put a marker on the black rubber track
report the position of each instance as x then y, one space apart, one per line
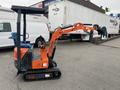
54 73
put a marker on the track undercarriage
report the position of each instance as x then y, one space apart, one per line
42 74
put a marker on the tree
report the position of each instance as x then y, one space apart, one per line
107 9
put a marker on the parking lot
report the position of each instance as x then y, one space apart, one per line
84 66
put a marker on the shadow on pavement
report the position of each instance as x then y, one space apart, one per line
3 50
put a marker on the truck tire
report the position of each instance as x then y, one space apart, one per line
104 32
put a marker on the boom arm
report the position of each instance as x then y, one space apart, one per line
60 31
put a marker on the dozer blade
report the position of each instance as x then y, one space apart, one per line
47 74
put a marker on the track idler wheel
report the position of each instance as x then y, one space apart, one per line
57 74
52 64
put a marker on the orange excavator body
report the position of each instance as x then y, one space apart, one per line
42 66
43 61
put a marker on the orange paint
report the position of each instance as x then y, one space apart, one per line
22 50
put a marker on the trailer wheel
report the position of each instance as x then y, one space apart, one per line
104 32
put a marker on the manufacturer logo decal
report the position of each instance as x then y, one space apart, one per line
114 22
56 9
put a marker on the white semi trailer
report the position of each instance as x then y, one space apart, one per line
66 13
36 26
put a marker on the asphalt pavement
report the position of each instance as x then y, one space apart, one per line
84 66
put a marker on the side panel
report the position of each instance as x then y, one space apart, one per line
78 13
71 13
89 16
35 29
56 15
7 17
4 36
113 25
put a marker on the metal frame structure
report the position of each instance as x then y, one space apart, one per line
23 10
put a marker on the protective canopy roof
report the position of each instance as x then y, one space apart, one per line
28 10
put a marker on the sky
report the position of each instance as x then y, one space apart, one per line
112 4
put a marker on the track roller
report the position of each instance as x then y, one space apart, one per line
47 74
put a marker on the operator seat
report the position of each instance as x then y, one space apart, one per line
25 44
28 57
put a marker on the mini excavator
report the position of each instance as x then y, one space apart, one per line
41 67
